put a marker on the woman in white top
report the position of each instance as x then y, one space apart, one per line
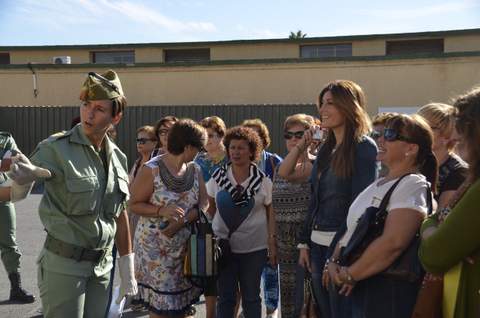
405 148
240 199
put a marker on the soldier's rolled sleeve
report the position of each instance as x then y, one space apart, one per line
44 156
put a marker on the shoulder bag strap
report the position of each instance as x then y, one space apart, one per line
382 209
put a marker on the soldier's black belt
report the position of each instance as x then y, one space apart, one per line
72 251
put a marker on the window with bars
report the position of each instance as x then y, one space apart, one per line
113 57
326 50
187 55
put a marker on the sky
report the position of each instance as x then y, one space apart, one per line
65 22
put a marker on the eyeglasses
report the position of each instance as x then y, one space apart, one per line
163 132
143 141
375 134
390 134
211 136
290 134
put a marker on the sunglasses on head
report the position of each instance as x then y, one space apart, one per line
390 134
290 134
143 141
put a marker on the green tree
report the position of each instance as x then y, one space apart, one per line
297 35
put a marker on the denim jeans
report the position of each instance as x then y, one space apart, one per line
379 296
270 287
330 303
244 270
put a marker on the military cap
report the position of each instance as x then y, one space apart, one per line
104 86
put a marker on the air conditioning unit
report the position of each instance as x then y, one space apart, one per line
62 60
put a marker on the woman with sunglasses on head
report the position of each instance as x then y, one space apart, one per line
406 150
162 127
240 200
290 200
453 246
345 165
168 193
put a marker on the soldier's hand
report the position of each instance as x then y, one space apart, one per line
22 171
128 283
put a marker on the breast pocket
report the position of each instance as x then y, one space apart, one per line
82 195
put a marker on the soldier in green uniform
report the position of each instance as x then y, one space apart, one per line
83 207
8 245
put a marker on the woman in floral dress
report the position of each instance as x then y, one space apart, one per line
167 193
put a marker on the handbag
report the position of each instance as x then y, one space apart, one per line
201 258
370 226
309 308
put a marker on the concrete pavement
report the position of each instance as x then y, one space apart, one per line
30 238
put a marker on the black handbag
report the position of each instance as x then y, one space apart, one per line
370 226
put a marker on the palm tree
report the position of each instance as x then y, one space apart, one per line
297 35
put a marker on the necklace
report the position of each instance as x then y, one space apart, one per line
176 184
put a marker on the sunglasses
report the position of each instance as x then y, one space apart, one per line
390 134
290 134
143 141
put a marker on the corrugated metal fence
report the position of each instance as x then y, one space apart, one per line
29 125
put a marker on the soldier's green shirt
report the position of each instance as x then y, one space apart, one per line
6 143
87 191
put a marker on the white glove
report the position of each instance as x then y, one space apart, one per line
22 171
128 284
19 192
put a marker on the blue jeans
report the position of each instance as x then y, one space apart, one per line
379 296
270 287
330 303
244 270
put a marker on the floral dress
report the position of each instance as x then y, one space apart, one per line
159 259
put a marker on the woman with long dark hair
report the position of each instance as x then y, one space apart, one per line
345 165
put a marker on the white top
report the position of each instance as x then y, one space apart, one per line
410 193
252 234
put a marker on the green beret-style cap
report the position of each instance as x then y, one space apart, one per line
98 87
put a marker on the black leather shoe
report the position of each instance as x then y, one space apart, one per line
17 293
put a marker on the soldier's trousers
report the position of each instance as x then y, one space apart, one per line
72 296
8 245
